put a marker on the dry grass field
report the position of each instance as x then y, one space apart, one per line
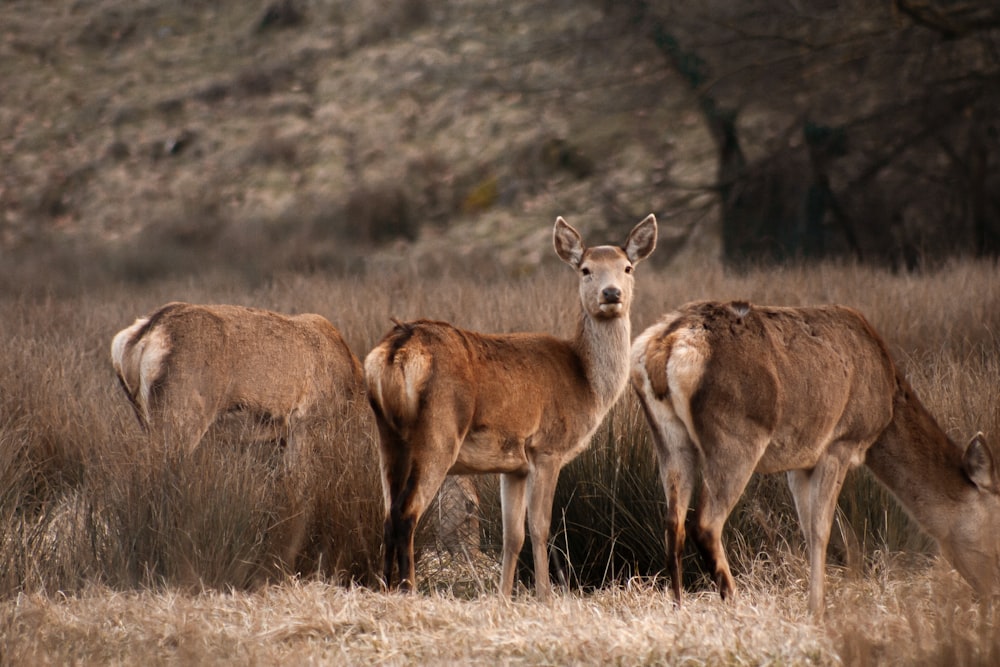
113 552
894 618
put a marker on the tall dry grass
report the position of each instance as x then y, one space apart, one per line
87 498
895 617
86 504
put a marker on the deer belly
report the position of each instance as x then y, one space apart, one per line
487 451
801 452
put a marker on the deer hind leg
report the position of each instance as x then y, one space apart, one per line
677 463
724 477
181 416
815 492
301 490
412 476
394 457
513 492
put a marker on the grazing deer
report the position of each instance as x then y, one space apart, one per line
730 389
184 366
451 401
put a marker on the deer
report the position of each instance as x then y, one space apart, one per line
729 389
450 401
184 366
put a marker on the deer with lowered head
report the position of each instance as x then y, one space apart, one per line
452 401
185 366
729 389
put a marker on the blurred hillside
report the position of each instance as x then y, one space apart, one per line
141 139
144 139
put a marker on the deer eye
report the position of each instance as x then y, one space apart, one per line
628 269
585 271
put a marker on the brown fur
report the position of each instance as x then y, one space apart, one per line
185 365
451 401
730 389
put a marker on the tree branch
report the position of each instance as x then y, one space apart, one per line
953 21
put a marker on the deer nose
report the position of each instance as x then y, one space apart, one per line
611 295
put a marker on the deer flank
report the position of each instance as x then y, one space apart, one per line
451 401
729 389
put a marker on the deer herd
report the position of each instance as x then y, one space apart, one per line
727 388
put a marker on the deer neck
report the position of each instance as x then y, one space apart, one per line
920 464
603 347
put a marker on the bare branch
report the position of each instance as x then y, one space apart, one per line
954 20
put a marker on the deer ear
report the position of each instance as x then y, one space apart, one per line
567 242
641 240
978 463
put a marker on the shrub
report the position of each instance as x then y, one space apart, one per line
378 213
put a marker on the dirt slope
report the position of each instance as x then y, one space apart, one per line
202 132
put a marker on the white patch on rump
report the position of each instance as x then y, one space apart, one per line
398 384
684 372
153 349
415 367
374 363
119 348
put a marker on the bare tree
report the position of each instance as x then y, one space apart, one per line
843 127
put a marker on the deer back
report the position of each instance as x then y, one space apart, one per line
234 357
804 377
278 361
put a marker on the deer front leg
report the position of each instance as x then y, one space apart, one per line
512 504
541 491
815 492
